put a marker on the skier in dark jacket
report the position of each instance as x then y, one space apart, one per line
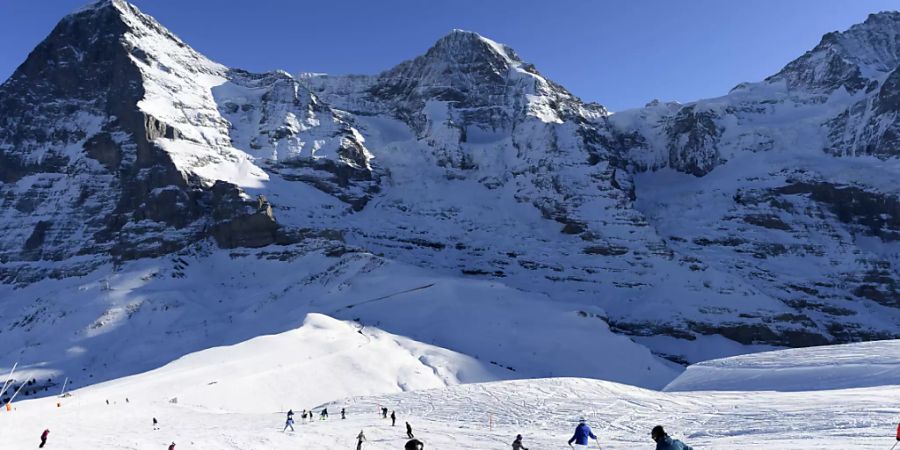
155 424
343 413
582 433
290 414
414 444
393 418
517 444
172 447
409 431
289 423
44 436
664 442
384 413
360 438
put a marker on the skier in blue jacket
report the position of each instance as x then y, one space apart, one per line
664 442
582 433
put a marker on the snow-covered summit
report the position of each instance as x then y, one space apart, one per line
849 59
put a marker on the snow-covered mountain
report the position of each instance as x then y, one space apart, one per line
153 199
794 183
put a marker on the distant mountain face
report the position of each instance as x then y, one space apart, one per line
766 217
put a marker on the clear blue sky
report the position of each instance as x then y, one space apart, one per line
621 53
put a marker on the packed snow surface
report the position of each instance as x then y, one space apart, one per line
803 369
235 398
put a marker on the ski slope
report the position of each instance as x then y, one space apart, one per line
234 397
864 364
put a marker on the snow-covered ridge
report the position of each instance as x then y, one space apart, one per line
808 369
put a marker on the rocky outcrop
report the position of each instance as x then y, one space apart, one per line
693 138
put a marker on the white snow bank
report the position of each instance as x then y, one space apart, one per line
803 369
472 416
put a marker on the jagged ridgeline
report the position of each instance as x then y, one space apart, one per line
768 216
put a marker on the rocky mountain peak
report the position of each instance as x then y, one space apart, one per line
471 47
849 59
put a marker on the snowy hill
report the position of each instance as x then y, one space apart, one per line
807 369
150 312
155 203
471 416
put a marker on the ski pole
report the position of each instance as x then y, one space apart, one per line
9 379
895 444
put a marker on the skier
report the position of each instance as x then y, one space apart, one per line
517 444
393 418
155 424
324 414
582 433
44 438
288 423
664 442
384 413
290 414
343 413
360 438
414 444
172 447
409 431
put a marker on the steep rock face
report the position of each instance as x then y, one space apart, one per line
114 131
848 60
785 176
292 133
78 154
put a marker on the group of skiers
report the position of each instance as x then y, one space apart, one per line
580 439
583 434
323 415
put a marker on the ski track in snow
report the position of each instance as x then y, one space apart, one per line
544 411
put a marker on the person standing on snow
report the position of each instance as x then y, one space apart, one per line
384 413
155 424
343 413
517 444
360 438
44 436
172 447
582 433
414 444
664 442
393 418
290 414
324 414
409 431
288 423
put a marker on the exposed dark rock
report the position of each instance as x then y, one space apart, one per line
879 214
693 141
767 221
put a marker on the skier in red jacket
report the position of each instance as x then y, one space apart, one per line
172 447
44 438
